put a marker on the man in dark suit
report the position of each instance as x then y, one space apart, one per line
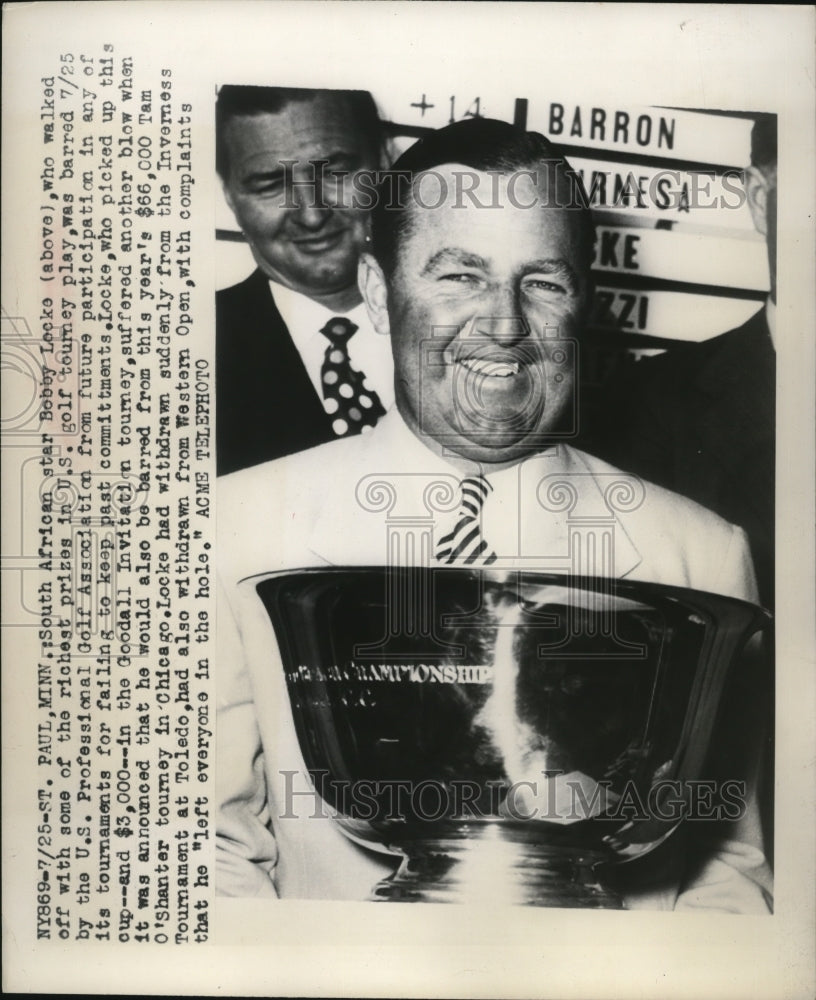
295 349
700 419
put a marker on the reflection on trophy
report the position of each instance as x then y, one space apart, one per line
542 729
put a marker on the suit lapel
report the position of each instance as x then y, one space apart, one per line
273 407
577 512
371 487
293 391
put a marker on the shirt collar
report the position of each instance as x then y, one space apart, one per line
369 352
304 317
408 482
393 437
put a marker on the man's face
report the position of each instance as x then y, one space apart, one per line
479 308
312 245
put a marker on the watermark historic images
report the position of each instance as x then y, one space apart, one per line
320 184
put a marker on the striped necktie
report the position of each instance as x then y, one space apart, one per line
347 397
465 543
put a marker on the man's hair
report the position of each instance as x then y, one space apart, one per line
234 101
481 144
763 143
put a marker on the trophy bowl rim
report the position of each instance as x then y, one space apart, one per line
635 589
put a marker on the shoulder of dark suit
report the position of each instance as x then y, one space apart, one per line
256 285
685 360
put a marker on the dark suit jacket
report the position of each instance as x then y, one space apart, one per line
700 420
267 405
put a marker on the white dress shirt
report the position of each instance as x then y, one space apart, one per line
369 352
280 516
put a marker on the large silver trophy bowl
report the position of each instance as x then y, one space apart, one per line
511 735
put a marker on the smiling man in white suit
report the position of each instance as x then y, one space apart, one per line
479 273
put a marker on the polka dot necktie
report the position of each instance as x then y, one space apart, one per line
465 543
347 397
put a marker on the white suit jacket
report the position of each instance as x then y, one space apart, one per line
336 505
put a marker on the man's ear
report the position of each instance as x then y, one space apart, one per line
756 189
373 288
